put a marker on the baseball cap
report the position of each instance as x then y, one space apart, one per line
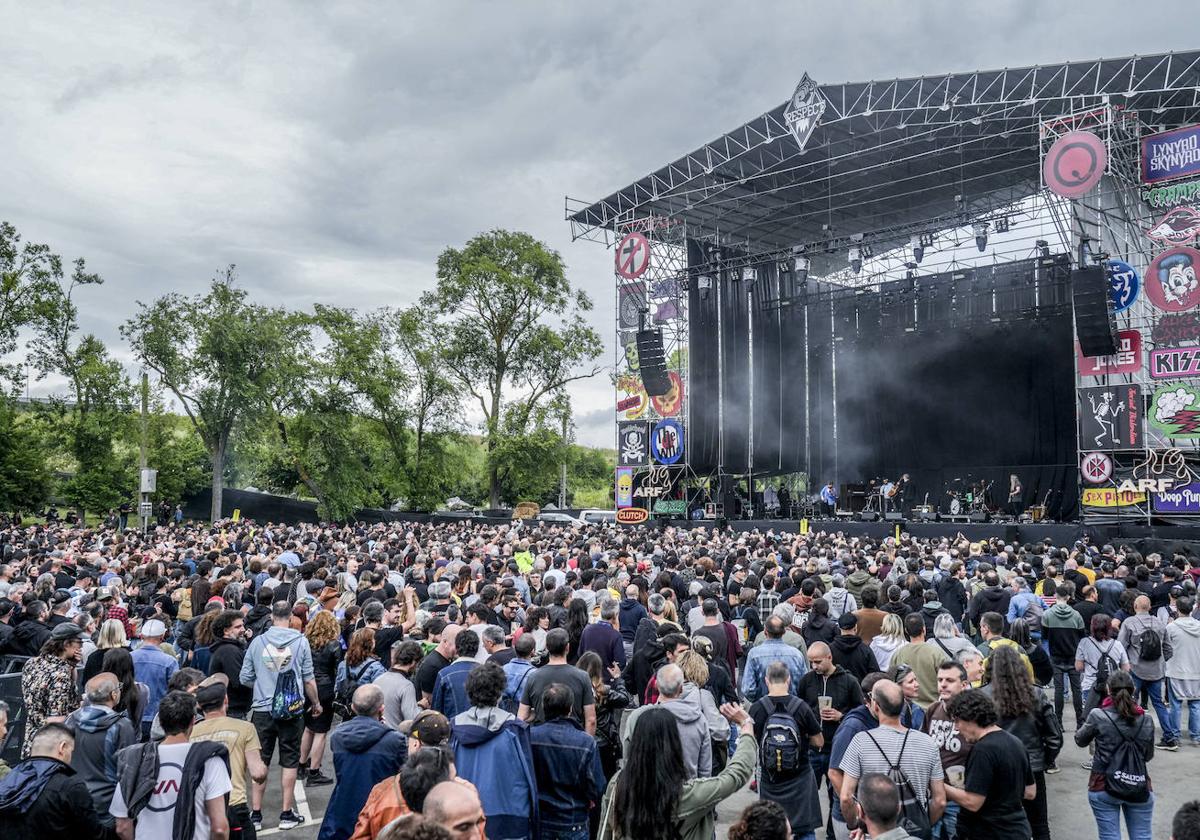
153 629
68 631
847 621
429 727
60 596
212 690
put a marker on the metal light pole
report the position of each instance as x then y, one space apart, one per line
149 477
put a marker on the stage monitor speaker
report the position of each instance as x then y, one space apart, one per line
1095 320
927 515
894 516
867 516
978 516
652 364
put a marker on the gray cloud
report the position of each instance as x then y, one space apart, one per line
333 151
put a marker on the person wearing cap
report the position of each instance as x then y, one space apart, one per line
153 667
60 605
365 752
849 651
100 733
48 686
240 738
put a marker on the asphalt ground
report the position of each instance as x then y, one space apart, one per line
1174 776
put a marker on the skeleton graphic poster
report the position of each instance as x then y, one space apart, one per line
632 444
1110 417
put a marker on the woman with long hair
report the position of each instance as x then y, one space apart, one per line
201 653
324 638
537 624
1039 660
578 619
1028 714
1098 653
611 700
111 635
1118 721
134 695
912 716
671 613
890 639
361 664
652 797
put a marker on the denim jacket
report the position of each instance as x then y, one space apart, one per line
567 765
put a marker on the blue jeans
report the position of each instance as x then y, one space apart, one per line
1155 689
575 832
1177 715
1107 811
946 828
812 835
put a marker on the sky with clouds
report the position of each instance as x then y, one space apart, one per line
333 150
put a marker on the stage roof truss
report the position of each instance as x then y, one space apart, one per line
889 156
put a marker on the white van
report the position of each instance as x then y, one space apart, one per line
598 517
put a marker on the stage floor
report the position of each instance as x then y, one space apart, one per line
1147 538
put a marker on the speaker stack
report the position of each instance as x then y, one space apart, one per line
1095 320
652 364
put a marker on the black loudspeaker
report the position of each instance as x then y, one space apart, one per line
867 516
927 515
1011 534
979 516
894 516
1095 321
651 364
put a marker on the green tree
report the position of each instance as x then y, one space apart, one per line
24 475
218 354
512 333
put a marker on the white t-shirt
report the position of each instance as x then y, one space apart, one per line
155 820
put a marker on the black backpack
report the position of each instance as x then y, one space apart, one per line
1150 646
341 702
914 817
782 752
1125 777
1103 672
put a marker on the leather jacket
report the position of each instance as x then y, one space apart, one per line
1040 732
609 709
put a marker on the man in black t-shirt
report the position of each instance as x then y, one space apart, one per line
433 663
998 773
583 706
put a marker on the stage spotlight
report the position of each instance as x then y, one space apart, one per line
802 265
1043 248
856 259
748 277
917 248
704 283
981 236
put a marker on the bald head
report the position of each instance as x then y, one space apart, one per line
820 658
446 646
1141 605
456 808
103 689
367 701
889 699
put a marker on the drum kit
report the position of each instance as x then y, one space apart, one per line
968 500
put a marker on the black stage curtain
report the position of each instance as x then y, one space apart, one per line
793 368
767 372
702 436
735 373
981 403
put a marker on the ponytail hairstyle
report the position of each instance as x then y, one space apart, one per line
1120 689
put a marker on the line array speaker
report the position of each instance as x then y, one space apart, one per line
651 363
1095 320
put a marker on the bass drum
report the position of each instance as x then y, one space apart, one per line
956 506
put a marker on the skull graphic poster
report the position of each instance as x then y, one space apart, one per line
1110 417
633 444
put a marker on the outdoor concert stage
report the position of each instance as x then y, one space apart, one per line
892 277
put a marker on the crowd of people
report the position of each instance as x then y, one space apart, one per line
476 680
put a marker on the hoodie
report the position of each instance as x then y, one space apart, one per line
856 583
694 733
225 657
853 655
258 620
28 638
99 734
990 599
841 687
365 752
819 629
492 751
276 650
1063 629
1183 667
929 612
43 799
631 614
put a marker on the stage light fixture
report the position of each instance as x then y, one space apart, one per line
704 283
981 235
802 266
856 259
918 249
1002 224
1043 248
749 275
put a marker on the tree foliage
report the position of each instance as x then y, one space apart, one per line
512 333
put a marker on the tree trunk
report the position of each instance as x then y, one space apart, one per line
493 433
218 478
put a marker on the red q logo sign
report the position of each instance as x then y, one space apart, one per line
1096 468
1074 164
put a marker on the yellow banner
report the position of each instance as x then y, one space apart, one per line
803 527
1111 497
237 514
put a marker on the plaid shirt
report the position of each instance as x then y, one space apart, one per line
768 599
